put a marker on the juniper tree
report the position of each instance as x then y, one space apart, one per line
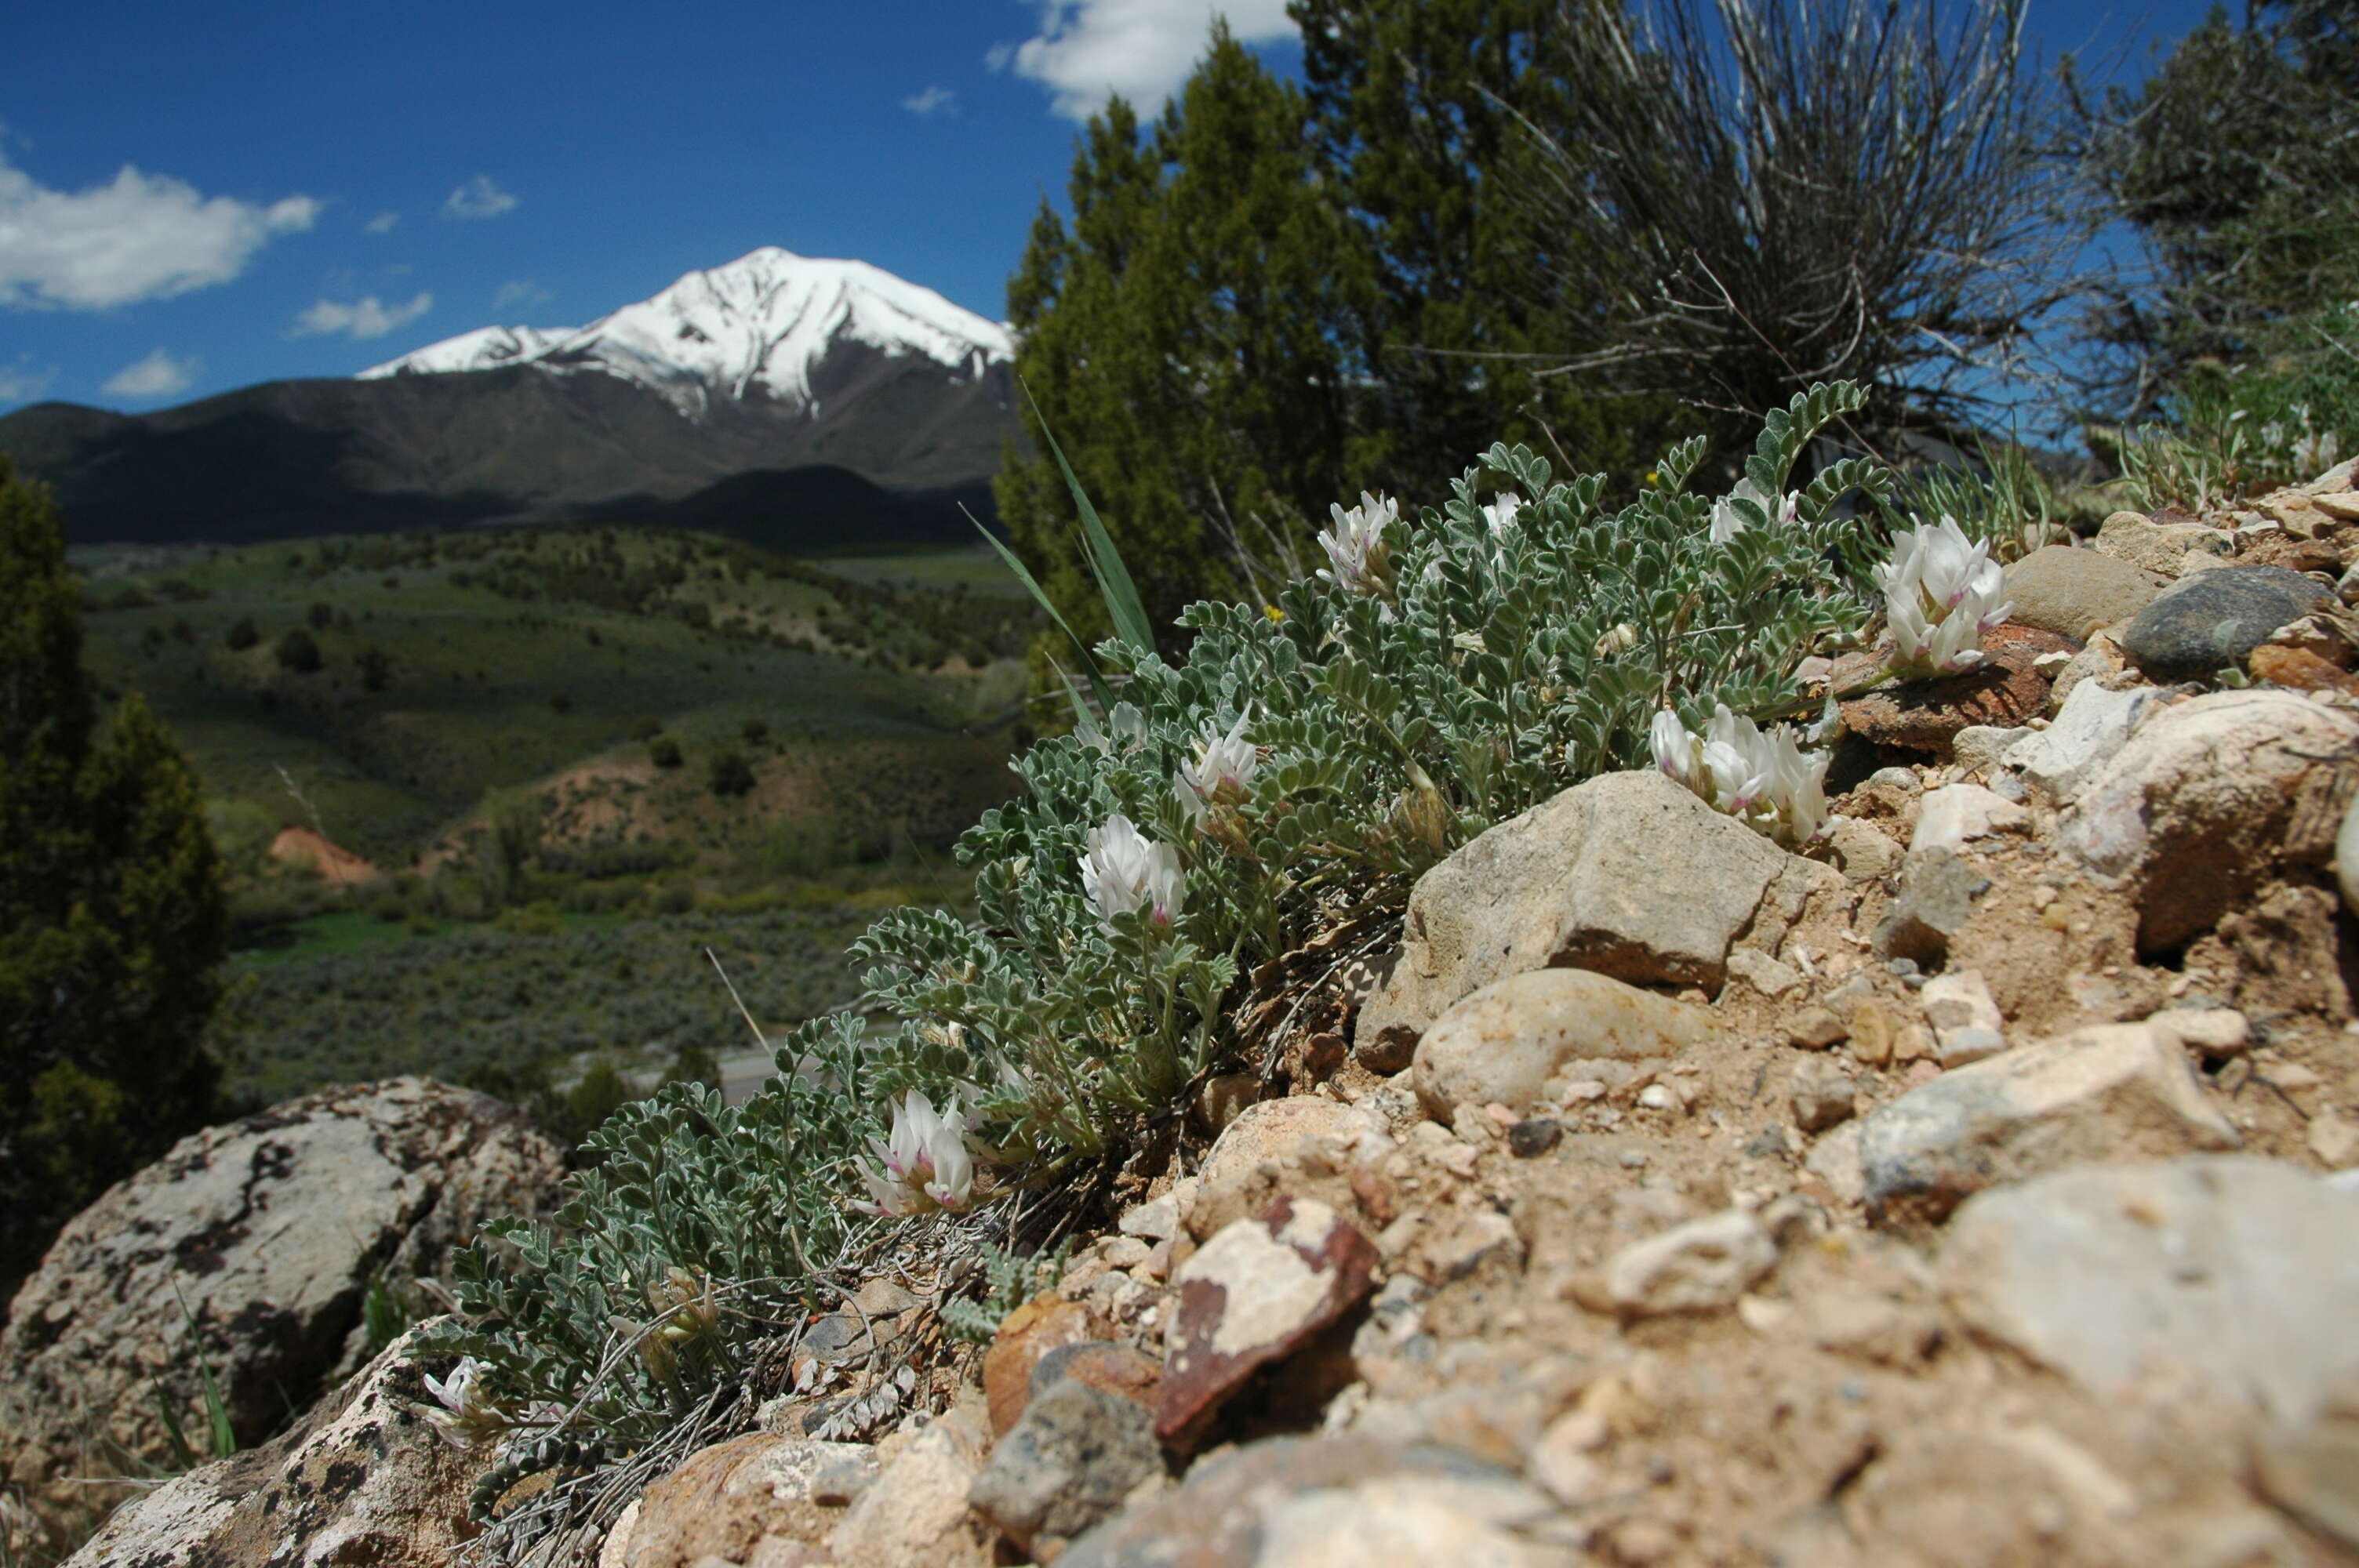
111 913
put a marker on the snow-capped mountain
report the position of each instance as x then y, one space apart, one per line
760 328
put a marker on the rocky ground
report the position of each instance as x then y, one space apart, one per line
1980 1188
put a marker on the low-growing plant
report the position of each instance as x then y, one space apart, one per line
1294 773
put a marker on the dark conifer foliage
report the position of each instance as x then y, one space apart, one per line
112 916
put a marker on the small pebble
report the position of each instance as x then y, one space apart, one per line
1530 1139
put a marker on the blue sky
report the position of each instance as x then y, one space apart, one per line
195 197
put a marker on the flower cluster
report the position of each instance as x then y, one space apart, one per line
1765 781
1727 522
1941 594
1359 560
926 1166
1124 870
1221 775
468 1415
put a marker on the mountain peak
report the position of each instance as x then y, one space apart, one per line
756 328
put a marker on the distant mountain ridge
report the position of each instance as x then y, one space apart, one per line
798 402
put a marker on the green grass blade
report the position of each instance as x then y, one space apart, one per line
184 1456
1089 663
223 1437
1123 604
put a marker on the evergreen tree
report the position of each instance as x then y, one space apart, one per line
111 913
1187 340
1417 108
2238 160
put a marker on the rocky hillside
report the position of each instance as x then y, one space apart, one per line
1979 1188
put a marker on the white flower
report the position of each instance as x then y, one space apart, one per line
1727 522
1125 727
1124 870
1500 515
468 1414
1222 774
1941 594
1357 556
926 1166
1768 782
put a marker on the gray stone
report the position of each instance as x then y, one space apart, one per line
1822 1096
2113 1092
2212 621
2076 593
1067 1463
1862 851
1937 895
364 1479
1505 1042
915 1510
2192 813
2088 731
269 1230
2241 1271
1627 875
1322 1502
1978 747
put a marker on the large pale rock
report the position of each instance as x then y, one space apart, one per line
1304 1141
725 1500
916 1509
2241 1271
2076 593
2193 811
2088 731
364 1479
2159 548
267 1231
2114 1092
1626 875
1331 1502
1506 1042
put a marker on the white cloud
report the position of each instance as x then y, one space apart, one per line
932 101
20 383
521 291
157 375
382 223
363 320
145 236
479 197
1087 50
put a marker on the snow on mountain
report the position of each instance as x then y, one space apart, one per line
757 327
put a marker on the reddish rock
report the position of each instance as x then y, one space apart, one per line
1047 1322
1115 1369
2299 669
1250 1296
1925 715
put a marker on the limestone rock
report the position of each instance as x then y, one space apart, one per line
2005 690
1963 1015
1865 852
1503 1043
2243 1272
2312 1470
2159 548
1823 1095
1326 1502
1068 1463
364 1479
1626 875
2207 622
1700 1266
1249 1297
1978 747
725 1500
2076 593
2193 811
1955 813
1937 895
269 1230
1271 1140
2112 1092
916 1511
2088 731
